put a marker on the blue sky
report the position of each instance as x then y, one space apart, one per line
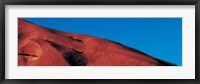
159 37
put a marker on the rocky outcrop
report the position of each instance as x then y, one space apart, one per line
40 46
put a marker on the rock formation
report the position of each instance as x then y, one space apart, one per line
40 46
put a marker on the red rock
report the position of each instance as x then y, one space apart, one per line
40 46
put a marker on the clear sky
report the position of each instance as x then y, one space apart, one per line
158 37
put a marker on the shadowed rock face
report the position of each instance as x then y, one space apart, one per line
39 46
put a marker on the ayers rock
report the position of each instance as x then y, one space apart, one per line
40 46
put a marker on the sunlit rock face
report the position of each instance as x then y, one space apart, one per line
40 46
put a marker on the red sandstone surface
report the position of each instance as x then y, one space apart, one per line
40 46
